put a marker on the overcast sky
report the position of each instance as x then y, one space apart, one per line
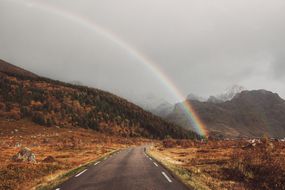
203 46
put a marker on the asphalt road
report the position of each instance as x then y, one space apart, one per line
129 169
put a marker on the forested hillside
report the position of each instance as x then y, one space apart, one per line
54 103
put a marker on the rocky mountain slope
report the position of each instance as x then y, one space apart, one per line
54 103
229 94
249 114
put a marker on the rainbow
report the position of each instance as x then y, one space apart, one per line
192 116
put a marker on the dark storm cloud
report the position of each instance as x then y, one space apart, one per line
204 46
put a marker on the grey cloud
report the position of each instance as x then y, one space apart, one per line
204 46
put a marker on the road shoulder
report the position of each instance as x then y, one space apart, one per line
179 174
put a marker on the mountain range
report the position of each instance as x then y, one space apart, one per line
235 113
163 108
251 113
25 95
228 95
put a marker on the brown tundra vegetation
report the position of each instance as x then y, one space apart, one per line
225 164
56 150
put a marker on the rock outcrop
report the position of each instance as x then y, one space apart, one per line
25 155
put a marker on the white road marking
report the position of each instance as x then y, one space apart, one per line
96 163
168 179
81 173
150 158
57 189
155 164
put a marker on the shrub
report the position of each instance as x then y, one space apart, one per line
169 143
185 143
39 118
260 166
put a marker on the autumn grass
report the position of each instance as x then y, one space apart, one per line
190 178
71 148
224 164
